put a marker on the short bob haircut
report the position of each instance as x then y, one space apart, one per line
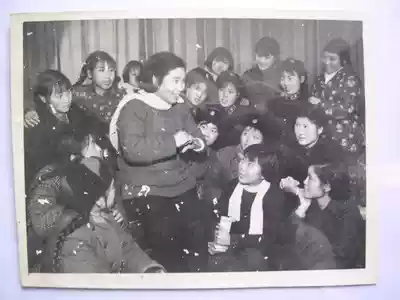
341 48
337 176
268 158
267 46
219 54
315 114
49 81
133 64
195 76
159 65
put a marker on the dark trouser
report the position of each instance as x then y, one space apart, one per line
174 230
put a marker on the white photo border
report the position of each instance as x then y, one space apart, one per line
202 280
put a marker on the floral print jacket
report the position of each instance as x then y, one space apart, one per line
341 98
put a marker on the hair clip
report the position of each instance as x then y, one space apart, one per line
254 121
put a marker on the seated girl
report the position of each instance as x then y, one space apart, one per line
91 240
313 144
262 81
59 116
229 95
295 90
196 90
255 130
219 60
43 207
254 207
97 91
324 204
132 73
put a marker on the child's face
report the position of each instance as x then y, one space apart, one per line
172 85
249 171
197 93
313 187
103 75
133 76
307 133
228 95
219 66
60 102
265 62
210 132
331 62
290 82
250 136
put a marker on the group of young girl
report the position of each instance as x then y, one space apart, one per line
165 170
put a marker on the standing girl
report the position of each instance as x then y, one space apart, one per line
153 131
338 91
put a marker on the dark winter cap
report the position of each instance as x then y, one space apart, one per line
269 127
229 77
209 114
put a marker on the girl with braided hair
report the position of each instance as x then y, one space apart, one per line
89 239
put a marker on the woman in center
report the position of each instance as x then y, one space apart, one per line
255 206
154 130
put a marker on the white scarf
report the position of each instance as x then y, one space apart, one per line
150 99
256 213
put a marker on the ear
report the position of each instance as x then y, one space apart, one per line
320 130
327 188
154 81
42 98
302 79
89 74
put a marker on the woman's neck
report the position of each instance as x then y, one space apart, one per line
99 91
309 146
292 97
253 187
324 201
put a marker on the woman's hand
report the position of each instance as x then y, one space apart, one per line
245 102
31 119
117 215
289 184
182 138
314 100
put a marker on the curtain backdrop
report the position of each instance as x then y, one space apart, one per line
65 45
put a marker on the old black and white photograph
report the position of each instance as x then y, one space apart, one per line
161 146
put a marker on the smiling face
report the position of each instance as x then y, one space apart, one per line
172 85
210 132
219 65
291 82
60 101
228 95
313 187
307 133
250 136
249 171
331 62
196 93
133 76
103 75
265 62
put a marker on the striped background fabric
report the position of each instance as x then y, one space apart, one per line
64 45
